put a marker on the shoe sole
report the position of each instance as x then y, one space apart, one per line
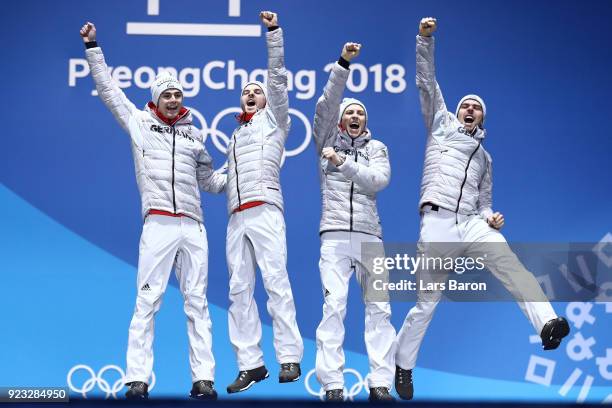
202 397
143 398
289 381
558 336
250 384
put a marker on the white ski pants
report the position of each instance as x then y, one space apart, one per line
256 237
341 255
165 241
445 226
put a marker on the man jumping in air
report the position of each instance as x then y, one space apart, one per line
455 206
256 228
353 168
171 163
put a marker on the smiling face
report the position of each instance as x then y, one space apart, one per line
470 114
252 98
170 103
354 120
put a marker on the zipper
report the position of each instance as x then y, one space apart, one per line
352 187
173 152
236 170
464 180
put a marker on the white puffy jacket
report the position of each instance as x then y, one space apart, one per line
457 170
256 147
349 190
170 161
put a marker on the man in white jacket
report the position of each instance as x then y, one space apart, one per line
353 168
171 165
256 228
456 215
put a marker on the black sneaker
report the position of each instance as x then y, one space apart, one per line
138 391
247 378
334 395
553 332
289 372
380 394
403 383
203 390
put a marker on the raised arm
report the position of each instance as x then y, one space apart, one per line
372 178
108 90
278 98
328 105
209 179
432 102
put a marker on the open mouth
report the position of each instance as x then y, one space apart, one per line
354 126
250 103
469 119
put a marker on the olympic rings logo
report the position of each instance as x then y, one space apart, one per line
349 393
97 379
221 140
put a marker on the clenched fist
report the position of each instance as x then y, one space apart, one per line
269 19
496 221
427 26
350 50
88 32
330 154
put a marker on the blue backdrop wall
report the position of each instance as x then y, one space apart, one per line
71 210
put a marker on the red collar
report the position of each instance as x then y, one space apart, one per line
245 117
164 119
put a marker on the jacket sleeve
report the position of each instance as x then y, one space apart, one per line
328 106
209 179
433 107
372 178
108 90
278 98
485 191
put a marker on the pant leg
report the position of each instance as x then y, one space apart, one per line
192 274
158 246
243 316
506 267
436 227
336 270
379 335
417 321
266 232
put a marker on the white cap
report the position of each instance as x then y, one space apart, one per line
163 82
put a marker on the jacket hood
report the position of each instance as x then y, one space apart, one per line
346 141
480 134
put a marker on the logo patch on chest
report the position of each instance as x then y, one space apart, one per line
351 152
170 130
